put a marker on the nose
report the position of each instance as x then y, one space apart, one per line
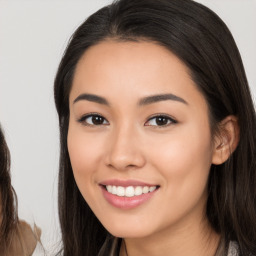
125 150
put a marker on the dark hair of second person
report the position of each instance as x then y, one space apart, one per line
16 236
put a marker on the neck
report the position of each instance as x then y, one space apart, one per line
190 240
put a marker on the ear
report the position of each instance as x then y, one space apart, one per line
226 141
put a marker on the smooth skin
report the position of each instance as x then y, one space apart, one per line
119 136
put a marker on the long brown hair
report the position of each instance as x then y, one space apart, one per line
16 236
202 41
9 216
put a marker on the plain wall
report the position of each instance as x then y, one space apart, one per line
33 36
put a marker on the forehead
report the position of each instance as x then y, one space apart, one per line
137 57
132 68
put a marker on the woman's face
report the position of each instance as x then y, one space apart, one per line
139 139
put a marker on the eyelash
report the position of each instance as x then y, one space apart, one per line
169 119
82 120
162 117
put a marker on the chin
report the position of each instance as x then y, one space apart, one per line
128 231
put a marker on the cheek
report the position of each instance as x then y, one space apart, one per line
84 152
184 160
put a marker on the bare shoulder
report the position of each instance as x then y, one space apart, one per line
24 240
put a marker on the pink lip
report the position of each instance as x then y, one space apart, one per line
125 183
125 203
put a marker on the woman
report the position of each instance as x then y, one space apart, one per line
16 237
157 134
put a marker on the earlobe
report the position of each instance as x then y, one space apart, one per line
226 140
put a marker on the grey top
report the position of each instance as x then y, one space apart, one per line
233 249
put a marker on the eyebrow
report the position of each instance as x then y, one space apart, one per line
142 102
91 97
160 97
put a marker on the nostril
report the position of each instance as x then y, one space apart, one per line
125 161
131 166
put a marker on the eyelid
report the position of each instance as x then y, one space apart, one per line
85 116
172 119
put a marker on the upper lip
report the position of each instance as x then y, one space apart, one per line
125 183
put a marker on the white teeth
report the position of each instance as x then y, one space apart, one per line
151 189
129 191
145 190
109 189
120 191
138 191
114 190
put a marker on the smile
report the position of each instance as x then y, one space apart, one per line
127 194
130 191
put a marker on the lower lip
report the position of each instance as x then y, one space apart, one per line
126 203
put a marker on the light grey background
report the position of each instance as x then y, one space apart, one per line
33 36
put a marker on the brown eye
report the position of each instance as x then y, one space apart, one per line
93 119
160 121
97 120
